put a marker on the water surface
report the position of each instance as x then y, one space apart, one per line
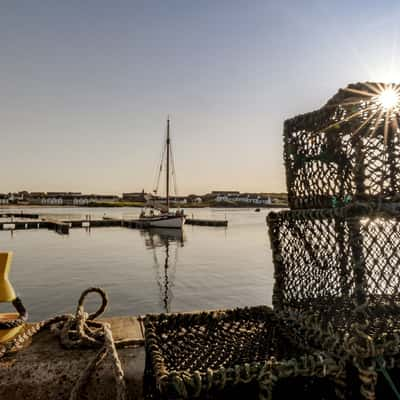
143 271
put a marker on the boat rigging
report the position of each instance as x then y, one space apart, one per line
165 218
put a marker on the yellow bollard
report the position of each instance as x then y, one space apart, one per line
7 295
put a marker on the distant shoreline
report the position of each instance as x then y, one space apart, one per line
141 205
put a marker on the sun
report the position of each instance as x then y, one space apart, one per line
388 99
375 105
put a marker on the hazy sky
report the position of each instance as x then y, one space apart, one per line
85 86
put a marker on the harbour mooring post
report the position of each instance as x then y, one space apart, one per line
7 295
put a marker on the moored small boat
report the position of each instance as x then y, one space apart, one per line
169 220
164 218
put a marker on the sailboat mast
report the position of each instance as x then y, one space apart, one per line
168 151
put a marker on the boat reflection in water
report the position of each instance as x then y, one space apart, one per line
164 244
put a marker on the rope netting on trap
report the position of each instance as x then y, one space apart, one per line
347 150
347 256
337 283
203 354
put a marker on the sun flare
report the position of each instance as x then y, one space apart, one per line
375 105
388 99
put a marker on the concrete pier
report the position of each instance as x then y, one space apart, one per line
63 226
95 223
17 225
57 226
206 222
44 370
19 215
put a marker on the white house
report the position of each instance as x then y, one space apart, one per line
177 200
227 197
52 201
244 198
80 201
265 200
3 199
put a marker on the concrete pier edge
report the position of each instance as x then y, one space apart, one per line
45 370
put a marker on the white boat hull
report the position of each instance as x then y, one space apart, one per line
175 222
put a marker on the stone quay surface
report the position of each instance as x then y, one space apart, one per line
44 370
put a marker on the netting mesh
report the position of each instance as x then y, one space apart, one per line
189 355
225 340
348 256
347 150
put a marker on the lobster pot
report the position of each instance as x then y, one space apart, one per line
240 353
349 150
337 285
343 258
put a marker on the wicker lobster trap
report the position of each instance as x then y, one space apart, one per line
337 251
337 283
240 353
348 255
347 150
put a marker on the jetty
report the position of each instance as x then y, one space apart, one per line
57 226
51 224
21 215
21 221
207 222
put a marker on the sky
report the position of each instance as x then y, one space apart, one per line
86 86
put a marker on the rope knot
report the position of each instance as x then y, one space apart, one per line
80 330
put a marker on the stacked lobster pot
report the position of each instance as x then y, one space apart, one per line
336 251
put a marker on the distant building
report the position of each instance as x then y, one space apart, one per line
172 199
244 198
226 196
194 198
35 194
253 198
217 193
60 198
82 200
35 197
178 199
65 198
135 196
19 197
3 199
63 194
266 200
52 201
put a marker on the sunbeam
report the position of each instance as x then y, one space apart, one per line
377 106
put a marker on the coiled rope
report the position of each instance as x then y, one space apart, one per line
81 331
22 316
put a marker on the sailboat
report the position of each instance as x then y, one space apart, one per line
160 215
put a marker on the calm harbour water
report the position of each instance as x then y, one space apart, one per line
207 267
